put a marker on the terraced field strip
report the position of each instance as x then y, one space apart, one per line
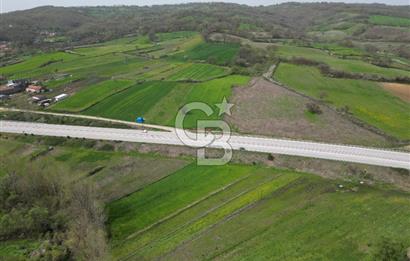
218 53
161 199
91 95
229 204
134 101
196 72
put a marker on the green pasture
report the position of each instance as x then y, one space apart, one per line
159 101
348 65
209 92
389 20
190 215
36 61
91 95
366 100
195 72
219 53
135 101
339 50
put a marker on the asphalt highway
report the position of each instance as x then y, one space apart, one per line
370 156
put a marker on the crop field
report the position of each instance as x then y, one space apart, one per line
209 92
159 101
135 101
189 215
92 95
35 62
195 72
220 53
340 50
364 99
389 20
348 65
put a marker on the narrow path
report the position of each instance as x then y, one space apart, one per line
129 123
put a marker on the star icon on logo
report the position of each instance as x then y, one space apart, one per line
224 107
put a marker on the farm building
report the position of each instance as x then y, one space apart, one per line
61 97
13 86
35 89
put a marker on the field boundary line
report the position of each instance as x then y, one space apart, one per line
176 213
129 123
238 210
209 211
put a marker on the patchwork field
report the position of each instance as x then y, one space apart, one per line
366 100
159 101
170 208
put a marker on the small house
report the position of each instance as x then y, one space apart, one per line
35 89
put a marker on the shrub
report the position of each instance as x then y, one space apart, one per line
389 250
313 108
107 147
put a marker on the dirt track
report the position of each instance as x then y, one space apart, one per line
398 89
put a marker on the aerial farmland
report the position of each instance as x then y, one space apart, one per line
90 169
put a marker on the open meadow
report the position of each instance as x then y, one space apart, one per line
366 100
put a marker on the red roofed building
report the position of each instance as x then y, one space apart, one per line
34 89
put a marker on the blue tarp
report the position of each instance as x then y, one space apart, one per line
140 120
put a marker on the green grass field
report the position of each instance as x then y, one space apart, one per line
135 101
348 65
220 53
92 95
366 100
277 213
196 72
159 101
389 20
29 63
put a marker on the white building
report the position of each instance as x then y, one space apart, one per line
60 97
